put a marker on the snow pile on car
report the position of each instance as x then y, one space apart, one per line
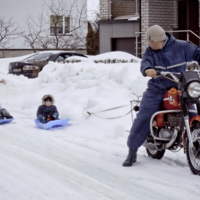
110 57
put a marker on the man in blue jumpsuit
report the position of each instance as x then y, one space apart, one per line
165 53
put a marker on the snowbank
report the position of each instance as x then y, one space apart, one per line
83 161
111 57
115 55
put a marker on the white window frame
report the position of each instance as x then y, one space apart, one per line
63 25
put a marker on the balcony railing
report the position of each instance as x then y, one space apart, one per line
138 34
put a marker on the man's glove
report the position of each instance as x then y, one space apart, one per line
151 73
55 115
192 66
40 117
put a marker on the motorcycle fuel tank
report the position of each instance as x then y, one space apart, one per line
171 99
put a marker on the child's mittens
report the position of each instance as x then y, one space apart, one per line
40 117
55 115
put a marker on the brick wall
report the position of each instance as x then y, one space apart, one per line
116 8
120 8
175 14
104 9
163 13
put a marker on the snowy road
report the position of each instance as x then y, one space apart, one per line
82 161
39 164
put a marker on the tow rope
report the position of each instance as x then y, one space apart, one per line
114 108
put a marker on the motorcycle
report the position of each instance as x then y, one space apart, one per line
170 128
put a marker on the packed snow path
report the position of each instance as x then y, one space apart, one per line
63 164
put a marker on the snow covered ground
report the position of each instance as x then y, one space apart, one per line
82 161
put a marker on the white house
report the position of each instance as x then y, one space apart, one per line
44 24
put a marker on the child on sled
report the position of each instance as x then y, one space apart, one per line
47 111
4 113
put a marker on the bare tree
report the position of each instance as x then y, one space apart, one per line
92 43
92 40
36 34
7 31
94 16
65 30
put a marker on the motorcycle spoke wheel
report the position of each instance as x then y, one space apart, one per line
193 162
155 153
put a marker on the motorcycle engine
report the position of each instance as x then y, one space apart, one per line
166 133
174 119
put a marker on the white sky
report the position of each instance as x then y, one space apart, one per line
92 6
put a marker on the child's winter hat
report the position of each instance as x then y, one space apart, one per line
156 33
48 97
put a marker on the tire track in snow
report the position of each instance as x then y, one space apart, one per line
71 170
99 176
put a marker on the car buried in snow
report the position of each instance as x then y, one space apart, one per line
32 65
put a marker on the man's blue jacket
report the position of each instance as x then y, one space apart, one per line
172 57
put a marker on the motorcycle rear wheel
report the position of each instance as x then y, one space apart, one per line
193 162
155 153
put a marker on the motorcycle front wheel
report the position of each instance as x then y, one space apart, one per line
155 153
193 161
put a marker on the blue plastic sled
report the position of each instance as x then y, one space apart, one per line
3 121
52 124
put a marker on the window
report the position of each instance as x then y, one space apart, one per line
59 25
60 58
38 56
67 25
66 56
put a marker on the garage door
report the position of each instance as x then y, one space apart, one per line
124 44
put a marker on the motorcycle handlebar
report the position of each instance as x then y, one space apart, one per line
158 73
164 74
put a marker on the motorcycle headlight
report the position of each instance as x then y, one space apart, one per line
194 89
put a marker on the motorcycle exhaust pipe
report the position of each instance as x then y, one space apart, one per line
150 146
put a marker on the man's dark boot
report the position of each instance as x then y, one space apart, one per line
131 158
